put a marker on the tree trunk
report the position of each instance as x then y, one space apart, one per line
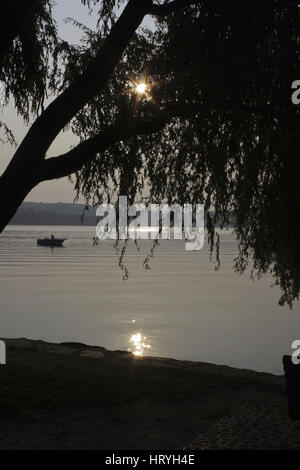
14 187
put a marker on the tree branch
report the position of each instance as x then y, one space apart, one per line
58 114
72 161
163 10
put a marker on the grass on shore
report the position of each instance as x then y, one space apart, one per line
34 379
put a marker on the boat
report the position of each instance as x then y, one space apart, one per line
50 241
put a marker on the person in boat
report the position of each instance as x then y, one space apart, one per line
52 237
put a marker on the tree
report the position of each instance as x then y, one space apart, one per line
216 124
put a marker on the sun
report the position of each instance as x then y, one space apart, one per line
141 88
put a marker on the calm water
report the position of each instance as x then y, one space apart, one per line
182 307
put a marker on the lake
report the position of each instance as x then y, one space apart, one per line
180 308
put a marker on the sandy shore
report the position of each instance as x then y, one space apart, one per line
73 396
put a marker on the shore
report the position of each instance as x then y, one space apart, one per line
73 396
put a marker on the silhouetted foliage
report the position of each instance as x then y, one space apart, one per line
217 125
26 66
226 68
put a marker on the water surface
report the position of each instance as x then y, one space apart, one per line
181 308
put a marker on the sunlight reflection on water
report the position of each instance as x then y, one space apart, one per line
138 345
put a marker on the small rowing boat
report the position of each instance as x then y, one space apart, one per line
50 241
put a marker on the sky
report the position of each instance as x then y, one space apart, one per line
57 190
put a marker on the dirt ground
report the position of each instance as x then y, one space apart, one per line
73 396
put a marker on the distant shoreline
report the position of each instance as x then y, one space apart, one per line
63 214
50 225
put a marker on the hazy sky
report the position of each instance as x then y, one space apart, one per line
56 190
